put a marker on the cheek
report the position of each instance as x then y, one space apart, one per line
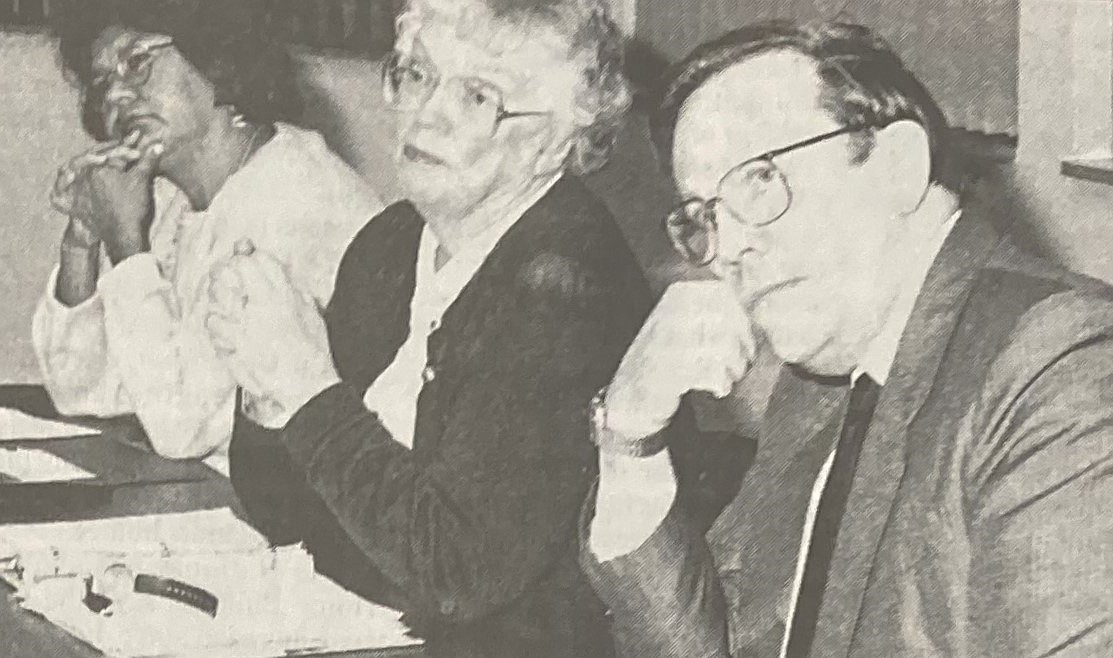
797 321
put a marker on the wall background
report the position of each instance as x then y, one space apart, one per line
38 129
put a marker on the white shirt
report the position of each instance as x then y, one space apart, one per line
393 395
139 344
616 532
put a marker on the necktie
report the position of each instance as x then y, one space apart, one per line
832 505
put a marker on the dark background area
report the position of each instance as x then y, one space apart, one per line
357 26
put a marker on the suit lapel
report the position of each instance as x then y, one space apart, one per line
756 537
881 464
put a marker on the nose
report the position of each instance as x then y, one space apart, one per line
436 112
117 98
119 92
736 239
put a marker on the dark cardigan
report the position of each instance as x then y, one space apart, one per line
472 533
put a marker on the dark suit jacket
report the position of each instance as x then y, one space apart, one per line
473 531
979 521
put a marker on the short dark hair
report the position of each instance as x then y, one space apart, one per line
228 41
864 84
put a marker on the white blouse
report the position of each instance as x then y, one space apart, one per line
393 395
139 344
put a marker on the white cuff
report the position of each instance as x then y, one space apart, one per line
52 306
635 494
131 281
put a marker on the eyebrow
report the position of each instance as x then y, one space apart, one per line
100 68
507 80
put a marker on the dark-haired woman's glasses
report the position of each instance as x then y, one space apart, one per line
409 83
133 66
755 192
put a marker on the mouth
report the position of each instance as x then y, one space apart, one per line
142 122
418 156
762 293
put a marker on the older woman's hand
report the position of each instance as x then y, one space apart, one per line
108 194
270 334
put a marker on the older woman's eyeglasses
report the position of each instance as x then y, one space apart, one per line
755 192
133 66
409 83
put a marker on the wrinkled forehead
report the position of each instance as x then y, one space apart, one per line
760 104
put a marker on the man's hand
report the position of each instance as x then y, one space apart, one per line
698 338
270 334
108 193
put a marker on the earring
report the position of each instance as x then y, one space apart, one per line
238 120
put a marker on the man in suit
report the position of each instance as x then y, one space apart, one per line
934 471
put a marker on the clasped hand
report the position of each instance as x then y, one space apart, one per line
697 338
270 334
108 194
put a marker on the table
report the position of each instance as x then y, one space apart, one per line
133 481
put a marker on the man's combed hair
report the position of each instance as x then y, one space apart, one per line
229 42
603 96
865 84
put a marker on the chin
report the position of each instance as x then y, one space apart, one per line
419 186
812 352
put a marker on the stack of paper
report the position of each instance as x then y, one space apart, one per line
18 426
28 465
271 603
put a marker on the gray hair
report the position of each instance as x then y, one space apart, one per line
603 95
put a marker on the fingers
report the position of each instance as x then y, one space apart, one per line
65 178
263 274
702 338
223 333
62 201
134 148
148 159
226 290
120 157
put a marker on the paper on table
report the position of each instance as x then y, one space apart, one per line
271 601
18 426
27 465
204 530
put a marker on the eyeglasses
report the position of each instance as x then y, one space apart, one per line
133 68
408 84
756 192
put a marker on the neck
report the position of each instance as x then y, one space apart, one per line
925 222
201 169
911 256
453 230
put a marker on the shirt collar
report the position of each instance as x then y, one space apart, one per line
256 172
882 350
471 253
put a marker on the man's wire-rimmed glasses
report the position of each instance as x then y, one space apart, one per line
755 191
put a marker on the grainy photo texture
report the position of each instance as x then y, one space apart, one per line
556 328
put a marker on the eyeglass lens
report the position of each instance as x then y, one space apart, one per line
409 84
753 194
693 232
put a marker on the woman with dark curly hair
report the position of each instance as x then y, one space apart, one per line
190 100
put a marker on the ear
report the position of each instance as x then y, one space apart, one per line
902 155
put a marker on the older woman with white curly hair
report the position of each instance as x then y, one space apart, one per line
436 461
